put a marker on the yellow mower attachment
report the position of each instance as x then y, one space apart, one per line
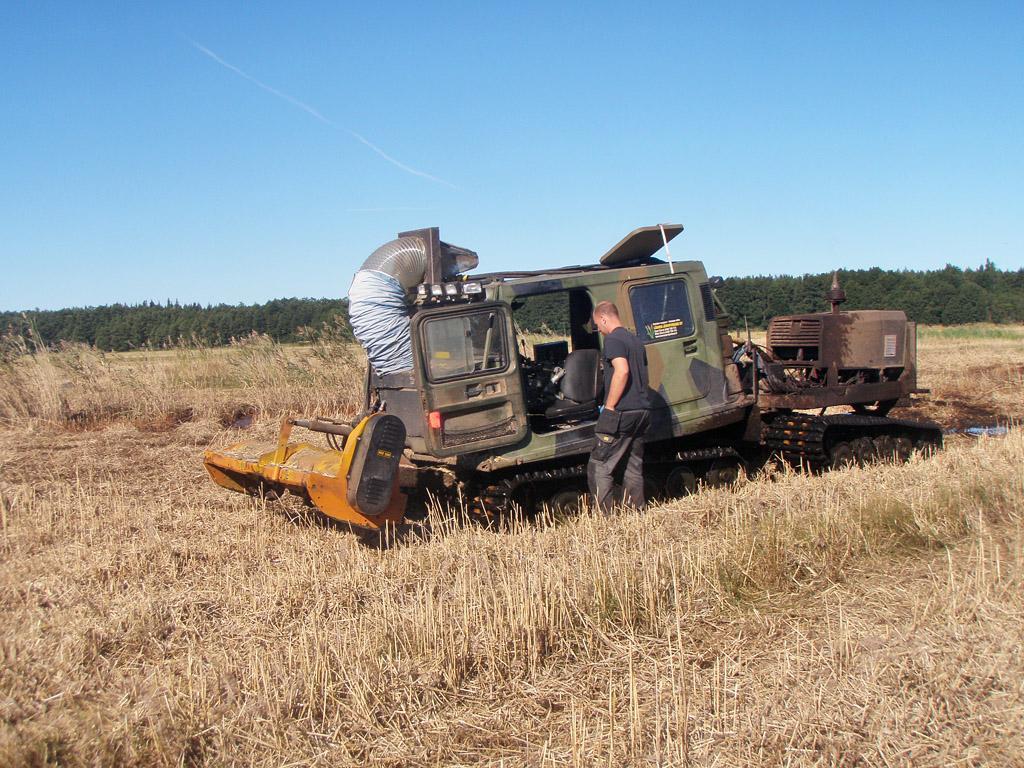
356 484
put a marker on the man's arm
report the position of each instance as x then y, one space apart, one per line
620 378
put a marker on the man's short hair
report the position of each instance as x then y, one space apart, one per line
606 308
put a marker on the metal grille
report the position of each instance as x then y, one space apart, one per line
890 345
798 332
708 300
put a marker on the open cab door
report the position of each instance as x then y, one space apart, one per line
469 373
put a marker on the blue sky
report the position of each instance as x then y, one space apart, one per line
787 138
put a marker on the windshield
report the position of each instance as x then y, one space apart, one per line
464 344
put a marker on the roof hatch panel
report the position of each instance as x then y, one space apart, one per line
640 245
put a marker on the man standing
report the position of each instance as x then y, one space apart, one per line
620 427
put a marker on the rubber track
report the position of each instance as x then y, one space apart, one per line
497 497
802 437
798 437
702 454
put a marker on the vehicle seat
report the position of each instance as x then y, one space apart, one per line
578 397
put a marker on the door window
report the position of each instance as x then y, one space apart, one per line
465 344
661 311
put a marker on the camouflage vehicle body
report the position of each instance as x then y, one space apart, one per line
487 418
695 387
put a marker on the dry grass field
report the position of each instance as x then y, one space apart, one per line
869 617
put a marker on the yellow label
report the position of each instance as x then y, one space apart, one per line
384 453
442 355
665 329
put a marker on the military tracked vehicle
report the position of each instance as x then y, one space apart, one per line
461 404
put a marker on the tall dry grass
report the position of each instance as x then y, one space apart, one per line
973 379
77 385
866 617
975 373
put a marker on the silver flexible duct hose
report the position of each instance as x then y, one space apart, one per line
377 309
405 259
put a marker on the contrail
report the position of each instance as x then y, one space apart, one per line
393 161
389 209
313 112
269 89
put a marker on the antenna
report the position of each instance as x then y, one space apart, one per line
664 240
754 361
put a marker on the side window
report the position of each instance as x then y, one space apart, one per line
661 311
543 314
464 344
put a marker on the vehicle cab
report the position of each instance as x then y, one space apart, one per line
507 366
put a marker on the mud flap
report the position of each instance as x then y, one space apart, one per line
371 477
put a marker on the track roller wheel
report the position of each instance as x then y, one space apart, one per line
566 502
864 450
723 472
681 481
885 447
841 455
904 447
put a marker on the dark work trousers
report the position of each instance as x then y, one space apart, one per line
619 435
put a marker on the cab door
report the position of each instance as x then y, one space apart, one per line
471 385
672 334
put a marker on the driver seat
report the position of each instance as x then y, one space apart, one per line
578 397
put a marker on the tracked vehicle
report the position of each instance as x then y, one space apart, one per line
461 404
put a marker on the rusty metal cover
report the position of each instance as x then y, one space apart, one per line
866 338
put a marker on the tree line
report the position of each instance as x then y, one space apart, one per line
121 327
949 296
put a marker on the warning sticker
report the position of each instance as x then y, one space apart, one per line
664 329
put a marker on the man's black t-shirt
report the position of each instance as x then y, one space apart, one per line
622 343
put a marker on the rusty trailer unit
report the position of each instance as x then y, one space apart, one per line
865 359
